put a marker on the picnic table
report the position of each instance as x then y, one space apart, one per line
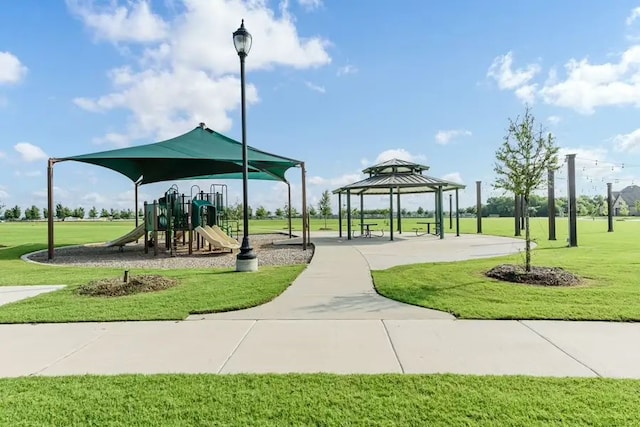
436 227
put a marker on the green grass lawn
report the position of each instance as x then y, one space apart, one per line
608 262
200 290
322 400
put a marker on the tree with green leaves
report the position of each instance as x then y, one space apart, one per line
420 211
261 212
324 206
32 213
527 153
279 213
312 211
636 205
104 213
93 212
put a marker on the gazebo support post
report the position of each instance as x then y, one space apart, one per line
391 212
450 211
340 214
457 214
399 211
441 219
348 214
305 225
361 214
289 204
50 211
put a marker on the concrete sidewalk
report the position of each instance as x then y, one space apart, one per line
332 320
547 348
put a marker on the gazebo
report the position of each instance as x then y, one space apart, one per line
200 153
397 177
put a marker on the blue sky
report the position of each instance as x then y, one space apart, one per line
338 84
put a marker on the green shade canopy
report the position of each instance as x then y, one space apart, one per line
199 154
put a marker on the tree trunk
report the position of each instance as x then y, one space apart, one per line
527 234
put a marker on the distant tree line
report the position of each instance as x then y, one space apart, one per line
34 213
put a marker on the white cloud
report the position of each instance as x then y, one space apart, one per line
310 4
591 163
635 14
335 182
507 78
3 193
629 142
11 69
132 23
454 177
444 137
346 70
189 75
588 86
2 155
29 174
554 120
401 154
526 93
95 198
29 152
315 88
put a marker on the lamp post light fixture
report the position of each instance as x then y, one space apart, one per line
246 259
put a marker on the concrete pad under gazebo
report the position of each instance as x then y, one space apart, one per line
397 177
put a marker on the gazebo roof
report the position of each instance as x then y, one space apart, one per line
402 176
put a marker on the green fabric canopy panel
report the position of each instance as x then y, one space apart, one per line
199 154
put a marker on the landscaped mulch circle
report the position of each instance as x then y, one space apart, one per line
116 287
544 276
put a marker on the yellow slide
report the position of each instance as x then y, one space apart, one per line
217 231
215 240
131 236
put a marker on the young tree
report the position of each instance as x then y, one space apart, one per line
312 211
324 206
45 213
93 212
420 211
32 213
104 213
636 205
78 213
279 213
522 162
261 212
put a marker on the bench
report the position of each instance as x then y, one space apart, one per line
436 226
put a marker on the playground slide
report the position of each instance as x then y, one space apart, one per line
214 240
131 236
217 231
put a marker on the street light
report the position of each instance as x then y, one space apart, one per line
246 259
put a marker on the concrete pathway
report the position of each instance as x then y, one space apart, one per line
16 293
337 283
331 320
540 348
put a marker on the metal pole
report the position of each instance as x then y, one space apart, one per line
391 212
516 215
457 213
441 218
135 192
50 253
361 214
573 205
551 204
479 206
340 214
610 207
289 214
450 211
399 212
305 223
348 214
246 259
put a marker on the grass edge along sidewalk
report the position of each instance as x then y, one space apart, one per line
317 399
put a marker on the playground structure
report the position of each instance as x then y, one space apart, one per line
200 218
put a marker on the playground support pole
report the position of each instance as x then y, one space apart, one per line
457 214
155 228
361 214
610 207
135 196
50 209
190 227
146 232
339 214
551 200
573 205
305 223
479 206
441 217
289 213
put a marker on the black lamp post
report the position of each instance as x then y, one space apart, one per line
246 259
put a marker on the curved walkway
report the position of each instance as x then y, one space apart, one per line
337 283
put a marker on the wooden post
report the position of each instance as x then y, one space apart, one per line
551 204
479 206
